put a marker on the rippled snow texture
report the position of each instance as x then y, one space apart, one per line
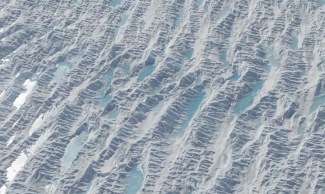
153 96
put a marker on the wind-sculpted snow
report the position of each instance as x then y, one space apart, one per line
157 96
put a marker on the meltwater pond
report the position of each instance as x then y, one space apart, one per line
180 17
105 100
146 71
134 181
274 61
199 2
294 44
124 19
107 77
247 100
317 103
191 108
125 70
320 2
189 54
116 3
225 158
235 76
114 113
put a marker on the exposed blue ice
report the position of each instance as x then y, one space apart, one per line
146 71
124 19
301 128
157 90
266 67
235 76
116 3
126 70
34 77
107 77
63 68
134 181
191 108
225 11
247 100
114 113
76 57
274 61
206 7
120 157
189 54
225 158
105 100
180 17
320 2
72 150
223 57
317 103
294 44
199 2
319 67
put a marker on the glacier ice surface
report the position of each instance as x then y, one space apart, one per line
177 96
134 181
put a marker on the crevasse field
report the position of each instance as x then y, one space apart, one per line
162 96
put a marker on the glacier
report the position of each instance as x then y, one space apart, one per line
162 96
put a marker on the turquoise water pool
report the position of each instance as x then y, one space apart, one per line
114 113
107 77
124 19
189 54
126 70
294 44
191 108
199 2
180 17
146 71
317 103
320 2
247 100
235 76
134 181
116 3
